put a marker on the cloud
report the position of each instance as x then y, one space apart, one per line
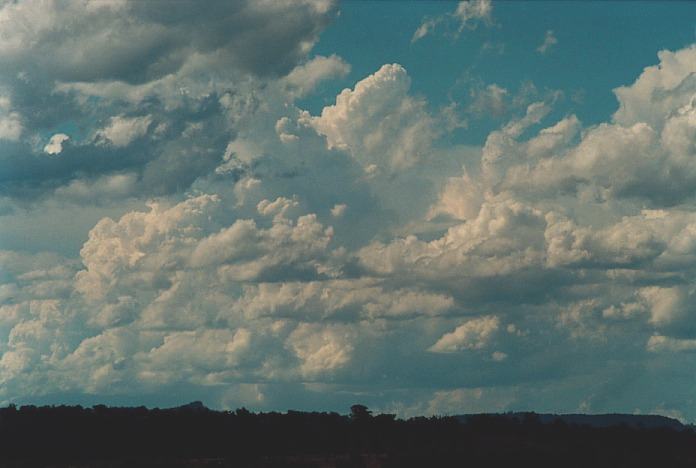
504 237
659 90
377 122
10 121
489 100
473 10
121 131
344 300
321 348
467 15
124 70
304 78
55 144
137 42
237 242
339 210
105 188
659 343
472 334
549 42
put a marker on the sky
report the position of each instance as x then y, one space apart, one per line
424 207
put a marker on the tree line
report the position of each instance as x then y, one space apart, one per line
194 436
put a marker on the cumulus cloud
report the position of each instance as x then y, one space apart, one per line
121 130
245 244
55 144
343 299
378 122
321 348
105 188
659 90
304 78
122 66
503 238
472 334
339 210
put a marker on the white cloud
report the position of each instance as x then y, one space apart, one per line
339 210
667 305
321 348
472 10
187 353
344 299
304 78
425 28
549 42
488 101
467 15
10 121
659 91
660 343
122 131
253 289
377 122
472 334
55 144
105 188
505 236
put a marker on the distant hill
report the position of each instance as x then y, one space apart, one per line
637 421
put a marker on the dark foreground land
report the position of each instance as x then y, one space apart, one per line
193 436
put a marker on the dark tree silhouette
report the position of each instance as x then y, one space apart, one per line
194 436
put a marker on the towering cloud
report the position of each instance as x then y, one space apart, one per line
221 228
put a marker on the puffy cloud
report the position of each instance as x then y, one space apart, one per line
645 152
338 210
472 334
505 236
286 254
659 91
345 300
667 305
136 243
106 188
134 70
196 353
321 348
121 131
144 246
304 78
377 122
55 144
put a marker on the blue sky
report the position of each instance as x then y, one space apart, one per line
424 207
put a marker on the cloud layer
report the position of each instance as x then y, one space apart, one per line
227 243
